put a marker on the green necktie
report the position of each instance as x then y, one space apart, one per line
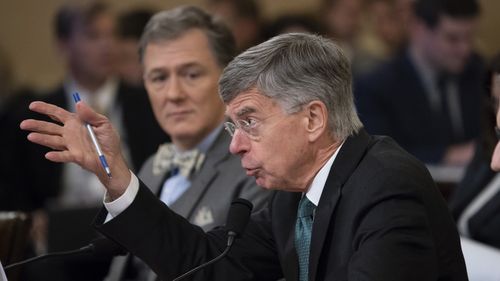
303 229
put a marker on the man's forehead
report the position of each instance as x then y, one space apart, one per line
162 55
248 102
190 42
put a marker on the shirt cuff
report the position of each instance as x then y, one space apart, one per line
124 201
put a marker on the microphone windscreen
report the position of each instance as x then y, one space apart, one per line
103 247
238 216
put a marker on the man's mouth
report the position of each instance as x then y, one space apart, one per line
178 113
251 172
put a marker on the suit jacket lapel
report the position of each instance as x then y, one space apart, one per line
188 202
284 220
346 162
156 182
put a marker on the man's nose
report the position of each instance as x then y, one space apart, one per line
240 143
174 90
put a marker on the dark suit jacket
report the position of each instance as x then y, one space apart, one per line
31 179
220 180
380 217
484 225
392 101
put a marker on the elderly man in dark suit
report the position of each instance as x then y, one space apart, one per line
349 206
428 97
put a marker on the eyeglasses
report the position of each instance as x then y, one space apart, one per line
248 127
251 126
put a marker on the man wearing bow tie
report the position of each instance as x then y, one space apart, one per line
183 52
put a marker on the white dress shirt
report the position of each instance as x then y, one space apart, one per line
318 184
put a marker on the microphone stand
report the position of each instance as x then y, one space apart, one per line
230 240
237 219
86 249
100 246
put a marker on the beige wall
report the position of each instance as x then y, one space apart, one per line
26 37
489 28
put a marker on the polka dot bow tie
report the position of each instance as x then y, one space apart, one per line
168 158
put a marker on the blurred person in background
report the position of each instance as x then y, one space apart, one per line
342 22
476 200
428 97
384 32
130 26
243 18
290 23
477 218
85 34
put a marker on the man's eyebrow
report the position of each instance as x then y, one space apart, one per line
189 65
182 67
155 70
244 111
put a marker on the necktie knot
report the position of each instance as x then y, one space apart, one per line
306 208
168 158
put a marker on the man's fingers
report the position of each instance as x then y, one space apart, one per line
55 112
90 116
41 127
59 156
53 142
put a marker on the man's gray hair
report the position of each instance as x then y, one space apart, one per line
295 69
171 24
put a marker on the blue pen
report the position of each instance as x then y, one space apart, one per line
104 164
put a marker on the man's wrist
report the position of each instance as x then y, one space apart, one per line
120 179
115 207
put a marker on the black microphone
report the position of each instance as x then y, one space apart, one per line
237 220
100 247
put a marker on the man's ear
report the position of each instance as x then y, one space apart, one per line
316 118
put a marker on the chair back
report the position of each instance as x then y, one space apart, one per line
14 232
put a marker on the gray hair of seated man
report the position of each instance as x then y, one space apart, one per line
295 69
171 24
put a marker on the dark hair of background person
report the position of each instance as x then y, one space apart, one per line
69 15
284 23
171 24
243 8
131 23
430 11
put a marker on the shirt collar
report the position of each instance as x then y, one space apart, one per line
319 181
209 140
424 70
